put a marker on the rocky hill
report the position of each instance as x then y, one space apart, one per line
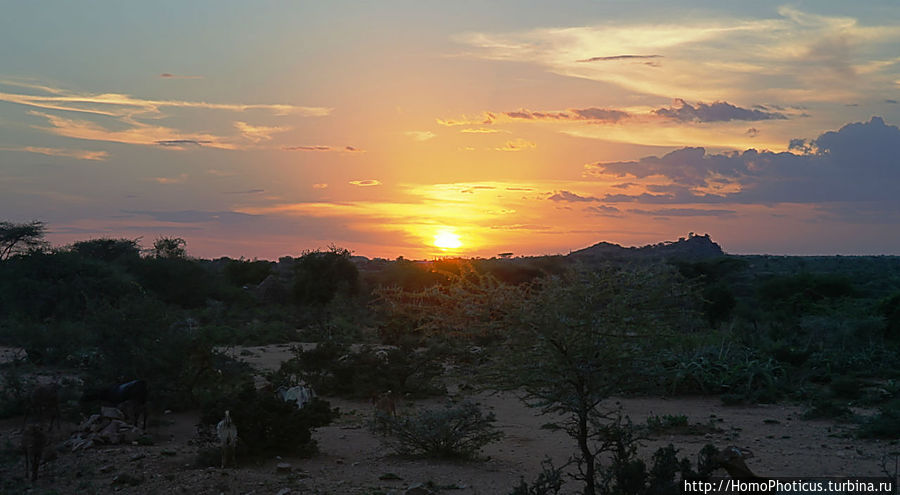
693 247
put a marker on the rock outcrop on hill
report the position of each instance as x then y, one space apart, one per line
694 247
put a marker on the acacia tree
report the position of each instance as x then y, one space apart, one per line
169 247
587 335
16 238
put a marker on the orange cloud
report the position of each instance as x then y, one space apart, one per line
257 133
518 144
421 135
70 153
366 183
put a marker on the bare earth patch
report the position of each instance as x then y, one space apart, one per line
353 461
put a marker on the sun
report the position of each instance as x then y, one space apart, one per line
447 240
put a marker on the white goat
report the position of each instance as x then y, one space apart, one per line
227 433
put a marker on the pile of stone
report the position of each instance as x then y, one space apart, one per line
107 428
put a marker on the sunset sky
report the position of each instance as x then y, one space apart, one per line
261 129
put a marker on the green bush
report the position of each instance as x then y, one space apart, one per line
267 425
456 431
333 370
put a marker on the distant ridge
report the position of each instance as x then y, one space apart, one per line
693 247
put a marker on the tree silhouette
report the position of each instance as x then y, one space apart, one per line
16 238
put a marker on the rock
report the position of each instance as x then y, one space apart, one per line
107 468
283 467
418 489
112 413
283 491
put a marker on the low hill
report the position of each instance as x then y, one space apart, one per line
694 247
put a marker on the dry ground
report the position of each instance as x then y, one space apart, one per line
353 461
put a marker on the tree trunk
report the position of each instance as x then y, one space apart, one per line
586 453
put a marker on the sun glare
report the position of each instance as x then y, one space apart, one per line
447 240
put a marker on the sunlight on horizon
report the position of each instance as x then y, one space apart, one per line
446 239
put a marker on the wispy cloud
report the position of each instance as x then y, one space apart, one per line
169 75
793 56
320 186
247 191
517 144
619 57
136 133
421 135
65 152
592 114
323 148
128 119
366 183
123 105
312 147
486 119
482 130
257 133
179 179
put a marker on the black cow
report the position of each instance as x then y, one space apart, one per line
130 398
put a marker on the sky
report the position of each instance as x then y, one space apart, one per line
424 129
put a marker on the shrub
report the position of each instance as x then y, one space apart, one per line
332 369
267 425
548 482
456 431
885 425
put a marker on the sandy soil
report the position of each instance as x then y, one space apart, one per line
353 460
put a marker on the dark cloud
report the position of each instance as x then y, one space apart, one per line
752 132
856 163
719 111
605 211
176 143
248 191
571 197
588 114
892 102
683 212
619 57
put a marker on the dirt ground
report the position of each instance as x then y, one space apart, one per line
353 460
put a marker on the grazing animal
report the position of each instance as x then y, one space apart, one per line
43 405
385 403
732 460
33 441
129 397
299 394
227 434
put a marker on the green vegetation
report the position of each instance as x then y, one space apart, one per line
455 431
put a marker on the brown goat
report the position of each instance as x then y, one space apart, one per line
33 442
385 403
43 405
